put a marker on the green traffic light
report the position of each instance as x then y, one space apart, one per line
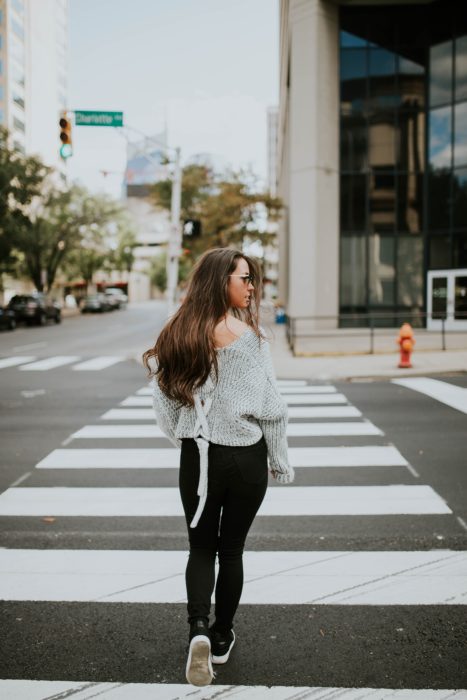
66 151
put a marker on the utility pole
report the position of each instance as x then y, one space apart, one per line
175 240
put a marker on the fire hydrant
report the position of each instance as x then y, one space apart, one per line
406 342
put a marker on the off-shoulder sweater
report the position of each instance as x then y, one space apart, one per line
237 409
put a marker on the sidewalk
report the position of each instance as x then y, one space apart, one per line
352 366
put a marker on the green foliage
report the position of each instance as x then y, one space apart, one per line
229 207
158 270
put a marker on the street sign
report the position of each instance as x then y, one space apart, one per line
89 118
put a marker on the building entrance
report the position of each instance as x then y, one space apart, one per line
447 299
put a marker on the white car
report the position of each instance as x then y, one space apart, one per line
116 297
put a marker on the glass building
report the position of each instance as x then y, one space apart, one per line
395 99
403 151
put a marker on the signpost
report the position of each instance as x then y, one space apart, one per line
92 118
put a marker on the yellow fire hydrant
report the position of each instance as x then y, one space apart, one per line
406 342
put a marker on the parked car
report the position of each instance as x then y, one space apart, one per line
7 318
36 308
117 297
95 303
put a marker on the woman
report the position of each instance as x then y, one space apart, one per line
215 396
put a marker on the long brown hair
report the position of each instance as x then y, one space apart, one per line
185 349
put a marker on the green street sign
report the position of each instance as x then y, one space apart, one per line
88 118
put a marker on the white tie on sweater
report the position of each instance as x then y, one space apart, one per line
202 437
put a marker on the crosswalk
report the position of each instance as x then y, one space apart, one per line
30 363
380 579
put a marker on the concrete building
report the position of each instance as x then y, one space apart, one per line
33 74
372 161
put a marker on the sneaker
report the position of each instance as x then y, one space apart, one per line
199 670
222 643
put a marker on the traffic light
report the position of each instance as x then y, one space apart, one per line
191 228
66 148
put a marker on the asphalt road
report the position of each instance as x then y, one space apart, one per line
398 642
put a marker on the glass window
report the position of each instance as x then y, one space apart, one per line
351 40
17 28
410 136
382 62
460 134
460 250
382 200
440 149
382 140
460 297
410 271
353 64
354 143
408 67
16 49
353 271
17 99
353 202
18 74
18 124
381 270
460 198
439 253
461 69
410 202
441 74
439 200
439 297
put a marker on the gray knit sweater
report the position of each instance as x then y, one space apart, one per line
244 404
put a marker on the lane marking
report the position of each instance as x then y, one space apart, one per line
434 577
50 363
169 458
279 501
97 363
304 399
84 690
450 395
294 412
20 480
16 360
292 389
293 430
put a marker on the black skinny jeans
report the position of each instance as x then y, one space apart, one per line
237 482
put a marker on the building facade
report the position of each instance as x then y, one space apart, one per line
372 153
34 74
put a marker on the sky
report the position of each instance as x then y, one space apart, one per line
207 70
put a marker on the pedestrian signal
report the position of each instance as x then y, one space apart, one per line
66 148
192 228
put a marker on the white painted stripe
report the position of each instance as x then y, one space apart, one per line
84 690
16 360
167 458
146 430
332 429
271 578
304 399
453 396
315 389
97 363
291 382
280 500
294 412
50 363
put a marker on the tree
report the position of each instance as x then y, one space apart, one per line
229 207
21 181
158 270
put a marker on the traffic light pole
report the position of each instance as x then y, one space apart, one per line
175 239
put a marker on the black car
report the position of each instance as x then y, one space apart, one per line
35 308
7 318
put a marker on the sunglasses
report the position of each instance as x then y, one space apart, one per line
247 279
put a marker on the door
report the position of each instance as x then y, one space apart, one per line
447 299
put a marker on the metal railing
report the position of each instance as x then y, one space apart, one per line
373 323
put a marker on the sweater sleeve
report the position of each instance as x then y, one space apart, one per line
166 413
273 421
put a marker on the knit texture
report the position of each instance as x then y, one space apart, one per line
244 404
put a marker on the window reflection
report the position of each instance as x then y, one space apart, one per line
460 134
410 202
460 198
354 142
441 73
439 253
440 137
381 270
439 200
410 271
461 69
353 272
353 202
382 200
